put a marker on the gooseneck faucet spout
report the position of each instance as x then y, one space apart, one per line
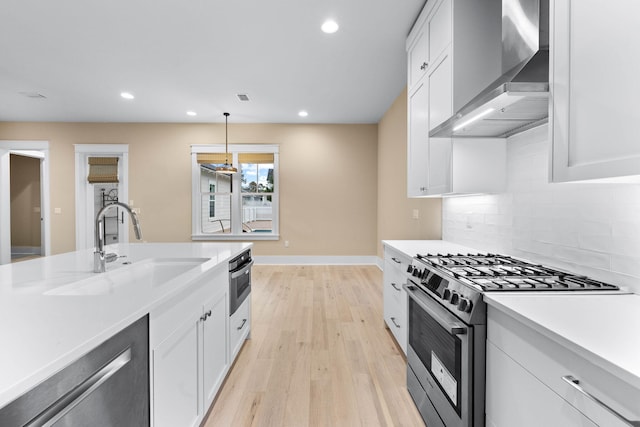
99 259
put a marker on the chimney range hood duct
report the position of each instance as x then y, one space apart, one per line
519 99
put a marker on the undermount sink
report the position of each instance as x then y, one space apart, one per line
148 273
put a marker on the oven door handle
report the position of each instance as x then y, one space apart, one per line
447 320
242 270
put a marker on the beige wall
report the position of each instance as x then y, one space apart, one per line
395 210
328 179
25 201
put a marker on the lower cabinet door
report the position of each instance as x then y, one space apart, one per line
215 361
517 398
175 385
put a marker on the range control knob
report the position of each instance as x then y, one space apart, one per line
465 305
454 297
446 294
416 272
410 268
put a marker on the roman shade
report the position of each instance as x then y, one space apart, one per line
213 158
103 170
255 158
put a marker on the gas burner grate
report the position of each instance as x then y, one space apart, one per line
492 272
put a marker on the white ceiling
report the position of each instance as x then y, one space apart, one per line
180 55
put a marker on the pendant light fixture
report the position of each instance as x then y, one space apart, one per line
227 168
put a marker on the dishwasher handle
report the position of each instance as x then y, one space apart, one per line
66 403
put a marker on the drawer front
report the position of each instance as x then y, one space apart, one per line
395 297
517 398
239 327
550 362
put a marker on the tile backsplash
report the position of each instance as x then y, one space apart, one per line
586 228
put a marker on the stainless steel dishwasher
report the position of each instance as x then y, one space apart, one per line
108 386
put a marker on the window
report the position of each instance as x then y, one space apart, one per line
241 206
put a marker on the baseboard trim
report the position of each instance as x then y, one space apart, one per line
25 250
380 263
315 260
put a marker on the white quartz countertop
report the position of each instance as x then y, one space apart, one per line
41 331
604 329
413 247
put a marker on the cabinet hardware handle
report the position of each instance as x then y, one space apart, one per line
396 260
424 66
242 324
205 315
393 319
396 287
575 383
67 402
423 189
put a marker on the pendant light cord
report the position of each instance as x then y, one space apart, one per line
226 138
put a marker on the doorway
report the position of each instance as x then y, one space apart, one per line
24 200
92 196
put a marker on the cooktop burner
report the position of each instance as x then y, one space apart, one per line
491 272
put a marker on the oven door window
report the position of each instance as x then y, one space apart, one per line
435 345
241 284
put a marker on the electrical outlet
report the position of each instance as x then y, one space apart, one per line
57 210
416 214
136 211
286 243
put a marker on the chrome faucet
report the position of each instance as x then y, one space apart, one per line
99 257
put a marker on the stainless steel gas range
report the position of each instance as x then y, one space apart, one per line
447 327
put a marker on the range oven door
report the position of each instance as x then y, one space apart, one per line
440 362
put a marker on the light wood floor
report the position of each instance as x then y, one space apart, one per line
319 354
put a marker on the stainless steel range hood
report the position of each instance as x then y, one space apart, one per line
519 99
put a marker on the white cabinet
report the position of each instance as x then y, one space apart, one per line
527 381
189 350
518 398
239 327
394 296
418 141
457 46
594 91
215 358
176 377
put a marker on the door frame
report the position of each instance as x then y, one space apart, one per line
84 201
39 149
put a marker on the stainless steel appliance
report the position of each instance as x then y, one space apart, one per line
519 99
239 280
447 327
109 386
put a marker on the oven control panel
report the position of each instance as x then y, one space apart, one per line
456 297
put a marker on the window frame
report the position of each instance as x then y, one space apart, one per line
236 195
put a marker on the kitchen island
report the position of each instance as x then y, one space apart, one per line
55 309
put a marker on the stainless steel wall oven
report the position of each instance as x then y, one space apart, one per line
239 280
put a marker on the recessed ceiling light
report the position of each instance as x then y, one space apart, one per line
191 113
303 113
330 26
127 95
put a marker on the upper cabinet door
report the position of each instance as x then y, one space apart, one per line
595 65
439 29
418 58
